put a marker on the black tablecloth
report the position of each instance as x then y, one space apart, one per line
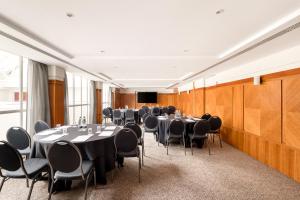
100 149
163 127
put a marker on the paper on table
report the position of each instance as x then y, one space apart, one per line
189 120
110 128
62 127
47 132
82 138
53 137
106 133
196 119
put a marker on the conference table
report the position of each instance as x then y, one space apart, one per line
164 124
96 145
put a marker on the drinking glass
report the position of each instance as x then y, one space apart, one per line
99 128
65 130
90 130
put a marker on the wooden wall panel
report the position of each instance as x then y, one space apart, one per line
56 100
291 111
198 102
210 100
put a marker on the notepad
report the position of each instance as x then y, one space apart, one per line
48 132
52 137
110 128
106 133
196 119
82 138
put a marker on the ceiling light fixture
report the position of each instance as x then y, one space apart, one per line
69 14
186 50
102 51
186 75
262 32
219 11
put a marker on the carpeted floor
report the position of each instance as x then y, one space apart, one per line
226 174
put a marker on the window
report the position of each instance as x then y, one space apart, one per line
79 102
13 92
106 95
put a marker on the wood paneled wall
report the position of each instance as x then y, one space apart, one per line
56 100
260 120
99 106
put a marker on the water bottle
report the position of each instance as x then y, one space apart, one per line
79 122
84 122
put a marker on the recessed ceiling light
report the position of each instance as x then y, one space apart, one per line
69 14
219 11
102 51
186 50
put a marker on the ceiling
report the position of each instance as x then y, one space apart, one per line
139 43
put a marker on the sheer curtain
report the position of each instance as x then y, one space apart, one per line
66 99
93 103
38 107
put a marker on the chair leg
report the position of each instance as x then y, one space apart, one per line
51 188
220 140
86 185
184 146
192 146
2 182
213 136
208 145
27 182
139 168
167 145
95 181
30 190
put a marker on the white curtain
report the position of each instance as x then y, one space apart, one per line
38 107
66 99
93 103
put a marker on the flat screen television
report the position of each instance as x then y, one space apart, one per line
147 97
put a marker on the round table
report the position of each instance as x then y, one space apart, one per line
98 148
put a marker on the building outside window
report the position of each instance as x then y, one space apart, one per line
13 91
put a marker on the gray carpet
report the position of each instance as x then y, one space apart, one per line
226 174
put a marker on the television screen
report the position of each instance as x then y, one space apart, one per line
147 97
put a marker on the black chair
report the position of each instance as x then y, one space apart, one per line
126 144
145 116
139 133
164 110
151 125
215 126
111 113
12 166
129 116
146 108
155 111
117 117
66 164
20 140
141 113
205 116
171 110
40 126
107 114
176 131
201 129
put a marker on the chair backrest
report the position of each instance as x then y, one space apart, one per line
141 112
18 138
215 123
171 110
117 114
129 114
10 158
58 154
40 126
110 110
125 140
136 128
151 122
146 108
145 116
176 127
206 116
156 111
106 112
164 110
201 127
